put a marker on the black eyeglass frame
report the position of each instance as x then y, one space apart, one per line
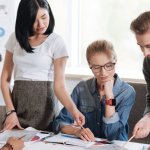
99 67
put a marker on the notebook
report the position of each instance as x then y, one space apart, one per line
69 140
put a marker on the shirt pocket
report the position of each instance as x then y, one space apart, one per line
90 114
86 109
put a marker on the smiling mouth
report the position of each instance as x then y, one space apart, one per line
40 29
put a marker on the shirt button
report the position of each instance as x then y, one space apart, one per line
98 123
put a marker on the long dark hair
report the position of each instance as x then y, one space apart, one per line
26 16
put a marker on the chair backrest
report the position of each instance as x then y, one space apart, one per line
138 110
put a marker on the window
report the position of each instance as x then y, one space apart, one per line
111 20
81 22
66 24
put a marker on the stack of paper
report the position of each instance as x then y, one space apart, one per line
69 140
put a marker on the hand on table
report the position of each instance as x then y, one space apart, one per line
85 134
11 122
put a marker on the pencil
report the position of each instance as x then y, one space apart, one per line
76 125
44 138
81 126
22 137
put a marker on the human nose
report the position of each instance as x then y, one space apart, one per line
102 70
146 52
40 23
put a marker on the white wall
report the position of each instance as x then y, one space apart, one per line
8 10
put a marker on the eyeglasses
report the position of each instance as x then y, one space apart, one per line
97 68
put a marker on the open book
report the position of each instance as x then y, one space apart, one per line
69 140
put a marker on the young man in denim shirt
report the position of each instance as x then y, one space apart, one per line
105 100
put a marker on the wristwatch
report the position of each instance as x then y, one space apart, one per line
10 112
111 102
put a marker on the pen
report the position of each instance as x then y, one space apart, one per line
104 142
42 139
44 132
22 137
81 126
77 125
56 142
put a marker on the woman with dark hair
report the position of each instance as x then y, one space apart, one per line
38 58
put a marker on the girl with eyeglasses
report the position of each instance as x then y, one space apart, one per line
105 99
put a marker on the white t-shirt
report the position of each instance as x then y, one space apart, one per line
37 66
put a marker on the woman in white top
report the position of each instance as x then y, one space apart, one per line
38 58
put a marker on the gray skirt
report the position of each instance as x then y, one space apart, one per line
35 103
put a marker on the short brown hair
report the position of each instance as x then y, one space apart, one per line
101 46
141 24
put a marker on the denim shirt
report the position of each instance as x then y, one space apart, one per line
87 99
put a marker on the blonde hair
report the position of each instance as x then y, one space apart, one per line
100 46
141 24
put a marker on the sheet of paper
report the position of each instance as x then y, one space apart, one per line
101 142
17 133
51 146
107 147
60 138
132 145
41 136
1 145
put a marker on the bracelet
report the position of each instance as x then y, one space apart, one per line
8 146
10 112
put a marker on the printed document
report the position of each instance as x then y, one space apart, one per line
69 140
17 133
